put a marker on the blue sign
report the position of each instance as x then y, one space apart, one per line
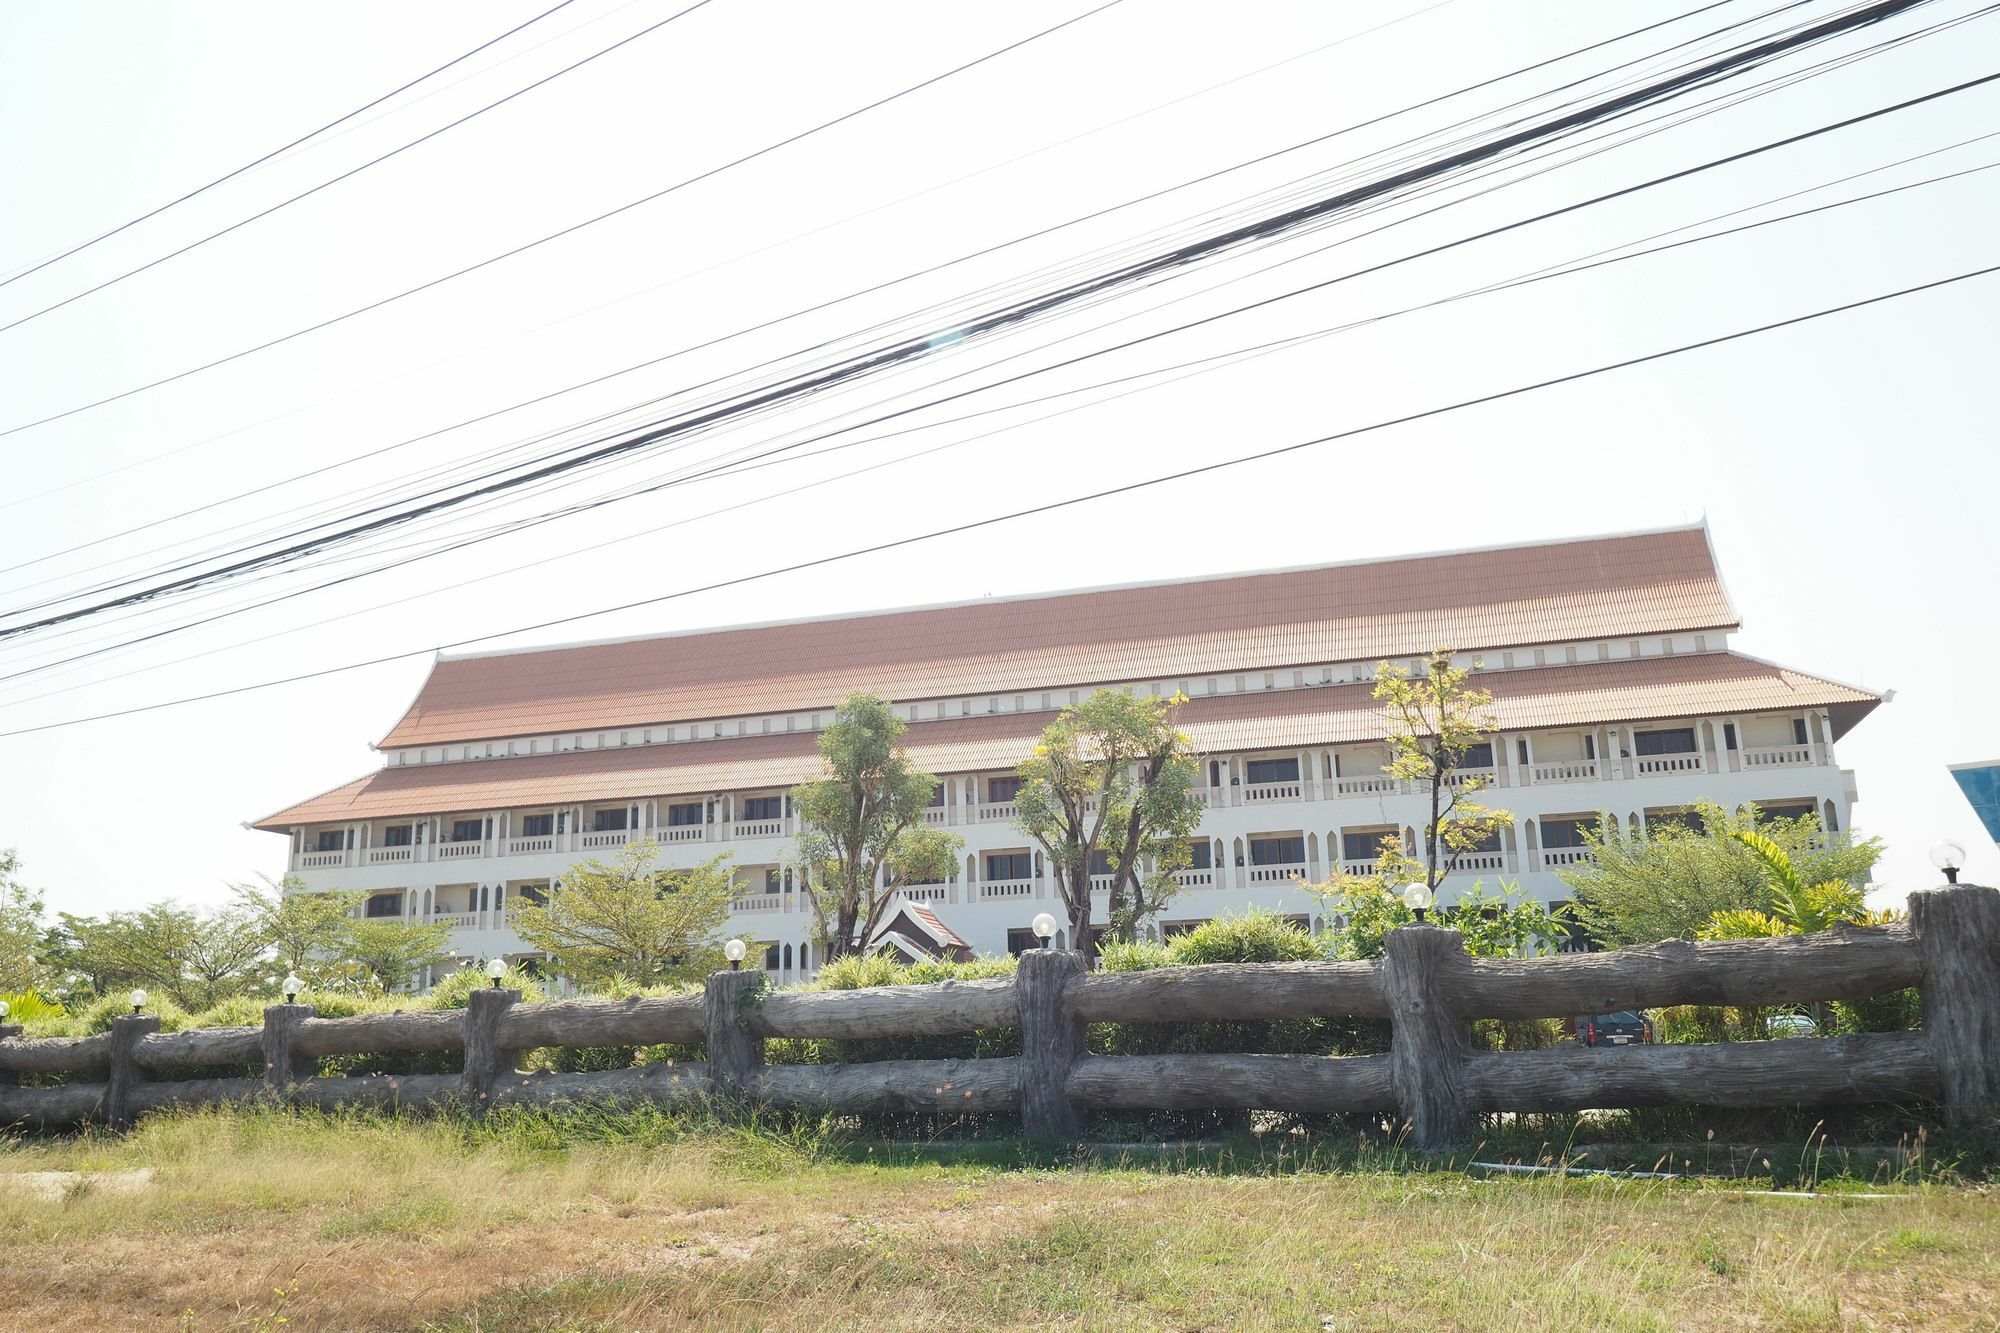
1981 785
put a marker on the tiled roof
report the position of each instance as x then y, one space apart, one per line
1608 587
935 925
1638 689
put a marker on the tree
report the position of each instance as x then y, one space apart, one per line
20 929
1434 719
862 833
632 920
1673 880
304 931
197 958
389 952
1114 775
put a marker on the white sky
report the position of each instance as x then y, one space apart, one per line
1844 466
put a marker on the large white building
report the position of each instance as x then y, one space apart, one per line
1609 661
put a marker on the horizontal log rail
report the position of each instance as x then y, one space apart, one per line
1425 985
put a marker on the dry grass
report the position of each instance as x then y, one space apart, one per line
257 1218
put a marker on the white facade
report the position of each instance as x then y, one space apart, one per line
1274 817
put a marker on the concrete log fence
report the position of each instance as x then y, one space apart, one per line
1426 986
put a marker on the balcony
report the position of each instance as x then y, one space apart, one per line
759 902
1458 777
1258 793
456 920
989 814
682 833
1378 784
527 846
1565 856
937 814
1777 756
380 856
1276 874
1007 888
1482 861
923 893
604 838
1564 770
1360 869
762 828
1649 765
1195 879
457 851
321 860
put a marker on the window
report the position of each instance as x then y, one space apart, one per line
1729 735
1489 843
774 881
763 807
1100 863
999 791
537 826
771 959
1478 756
684 815
533 893
1678 741
1799 734
1277 851
467 830
1009 865
384 904
1365 846
1201 854
1563 832
396 835
1690 820
332 840
1271 770
609 821
1175 929
1783 810
1020 941
937 796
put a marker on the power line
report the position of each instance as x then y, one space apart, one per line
1050 507
575 227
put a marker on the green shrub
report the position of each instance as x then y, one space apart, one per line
860 971
1133 955
97 1017
238 1011
41 1016
451 992
1256 936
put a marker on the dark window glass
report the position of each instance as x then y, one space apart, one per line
1478 756
937 794
681 816
1177 928
1362 846
1799 732
1783 810
1690 820
467 830
1271 770
533 893
396 835
1562 833
537 826
1729 735
609 821
1489 843
1201 855
1679 741
1020 941
1100 863
771 959
332 840
1009 865
764 807
384 904
1277 851
999 791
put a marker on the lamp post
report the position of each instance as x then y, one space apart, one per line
292 987
1418 898
1949 857
496 970
5 1009
1044 927
138 998
734 951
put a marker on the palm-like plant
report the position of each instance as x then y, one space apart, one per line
1797 908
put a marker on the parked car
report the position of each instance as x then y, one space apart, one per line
1627 1027
1791 1025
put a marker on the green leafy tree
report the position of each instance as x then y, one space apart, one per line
389 953
632 919
199 958
1506 924
304 931
1671 881
1115 775
862 832
21 969
1434 718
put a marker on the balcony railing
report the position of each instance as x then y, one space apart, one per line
456 920
991 813
1482 861
1565 856
1564 770
385 855
937 814
682 833
1359 869
1007 888
545 842
1276 874
1195 879
761 828
320 860
1777 756
923 893
1368 786
604 838
1101 883
458 851
1458 777
1648 764
1259 792
759 902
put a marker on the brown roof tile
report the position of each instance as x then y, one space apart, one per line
1656 688
1650 583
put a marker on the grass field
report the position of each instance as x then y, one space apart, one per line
256 1220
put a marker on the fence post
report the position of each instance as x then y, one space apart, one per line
1428 1042
283 1066
9 1078
485 1061
127 1030
1051 1041
1958 931
734 1052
